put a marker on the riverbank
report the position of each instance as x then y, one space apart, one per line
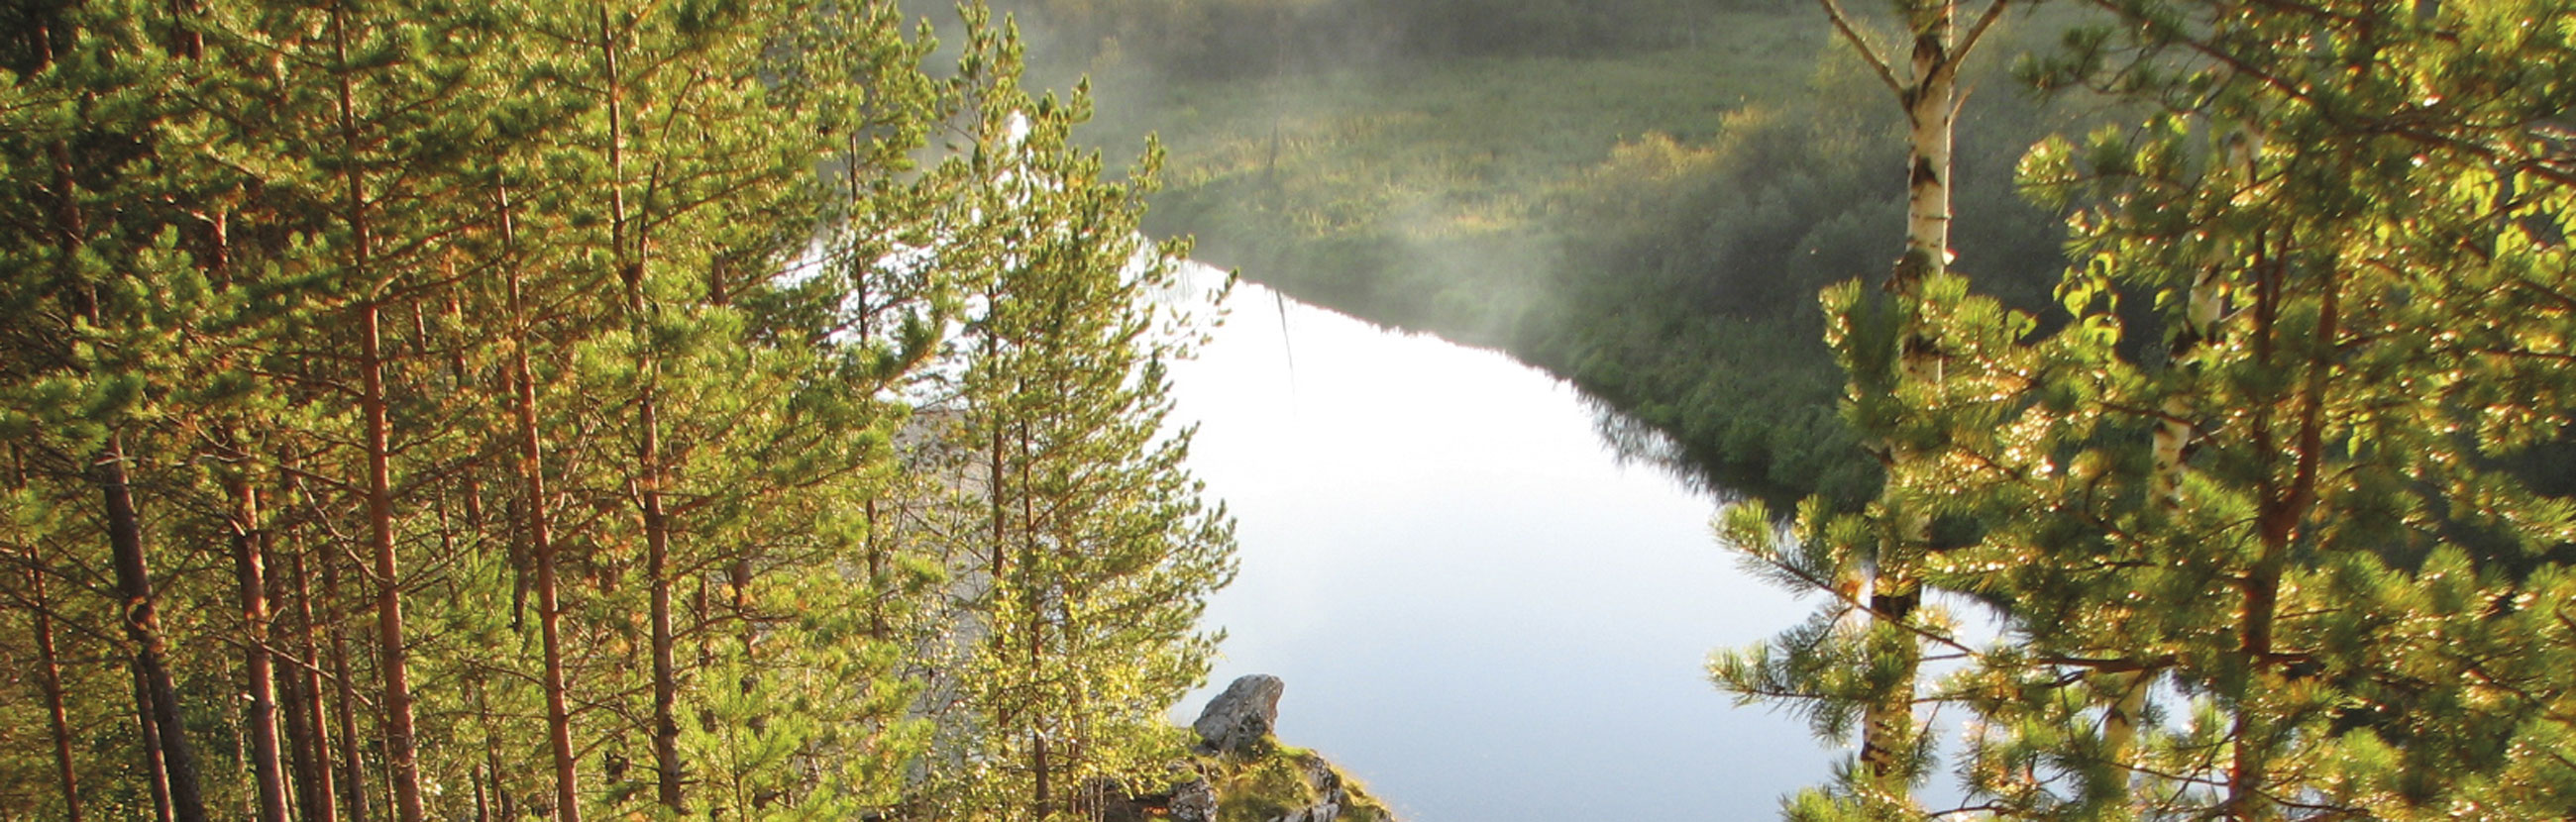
1651 224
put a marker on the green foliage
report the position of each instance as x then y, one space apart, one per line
1085 554
2250 517
634 301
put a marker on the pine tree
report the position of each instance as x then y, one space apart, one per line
2276 558
1091 557
106 290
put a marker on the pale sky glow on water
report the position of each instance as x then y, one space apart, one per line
1476 609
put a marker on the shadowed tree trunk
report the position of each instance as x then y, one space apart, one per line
165 739
353 756
49 675
250 571
307 740
156 771
160 698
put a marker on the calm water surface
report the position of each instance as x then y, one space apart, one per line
1478 610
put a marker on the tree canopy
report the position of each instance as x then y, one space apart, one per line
2257 531
397 396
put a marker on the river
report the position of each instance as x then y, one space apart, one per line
1478 609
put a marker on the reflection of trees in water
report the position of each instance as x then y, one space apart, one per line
1634 442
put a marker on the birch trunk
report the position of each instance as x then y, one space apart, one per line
1929 97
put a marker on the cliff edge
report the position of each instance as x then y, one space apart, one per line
1241 773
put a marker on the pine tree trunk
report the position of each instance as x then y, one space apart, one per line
250 571
303 770
49 669
509 806
353 757
143 626
156 769
541 541
49 675
313 773
666 685
166 743
874 548
401 758
657 531
394 659
1035 591
2283 508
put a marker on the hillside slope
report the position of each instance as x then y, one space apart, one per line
1650 220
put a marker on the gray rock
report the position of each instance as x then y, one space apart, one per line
1320 775
1322 812
1239 719
1327 784
1193 801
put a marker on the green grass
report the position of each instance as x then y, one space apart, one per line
1272 783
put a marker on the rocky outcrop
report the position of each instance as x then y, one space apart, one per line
1243 774
1193 801
1325 783
1238 720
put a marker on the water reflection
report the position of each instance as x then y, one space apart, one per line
1478 608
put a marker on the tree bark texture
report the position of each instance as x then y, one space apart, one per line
250 571
49 676
143 626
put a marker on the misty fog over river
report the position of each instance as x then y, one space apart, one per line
1478 610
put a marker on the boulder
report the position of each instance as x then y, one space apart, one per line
1238 720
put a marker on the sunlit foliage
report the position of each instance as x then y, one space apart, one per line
2255 522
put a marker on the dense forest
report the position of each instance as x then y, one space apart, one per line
486 411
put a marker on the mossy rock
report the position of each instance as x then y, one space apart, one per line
1277 781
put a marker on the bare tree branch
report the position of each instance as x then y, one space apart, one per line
1868 53
1977 32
